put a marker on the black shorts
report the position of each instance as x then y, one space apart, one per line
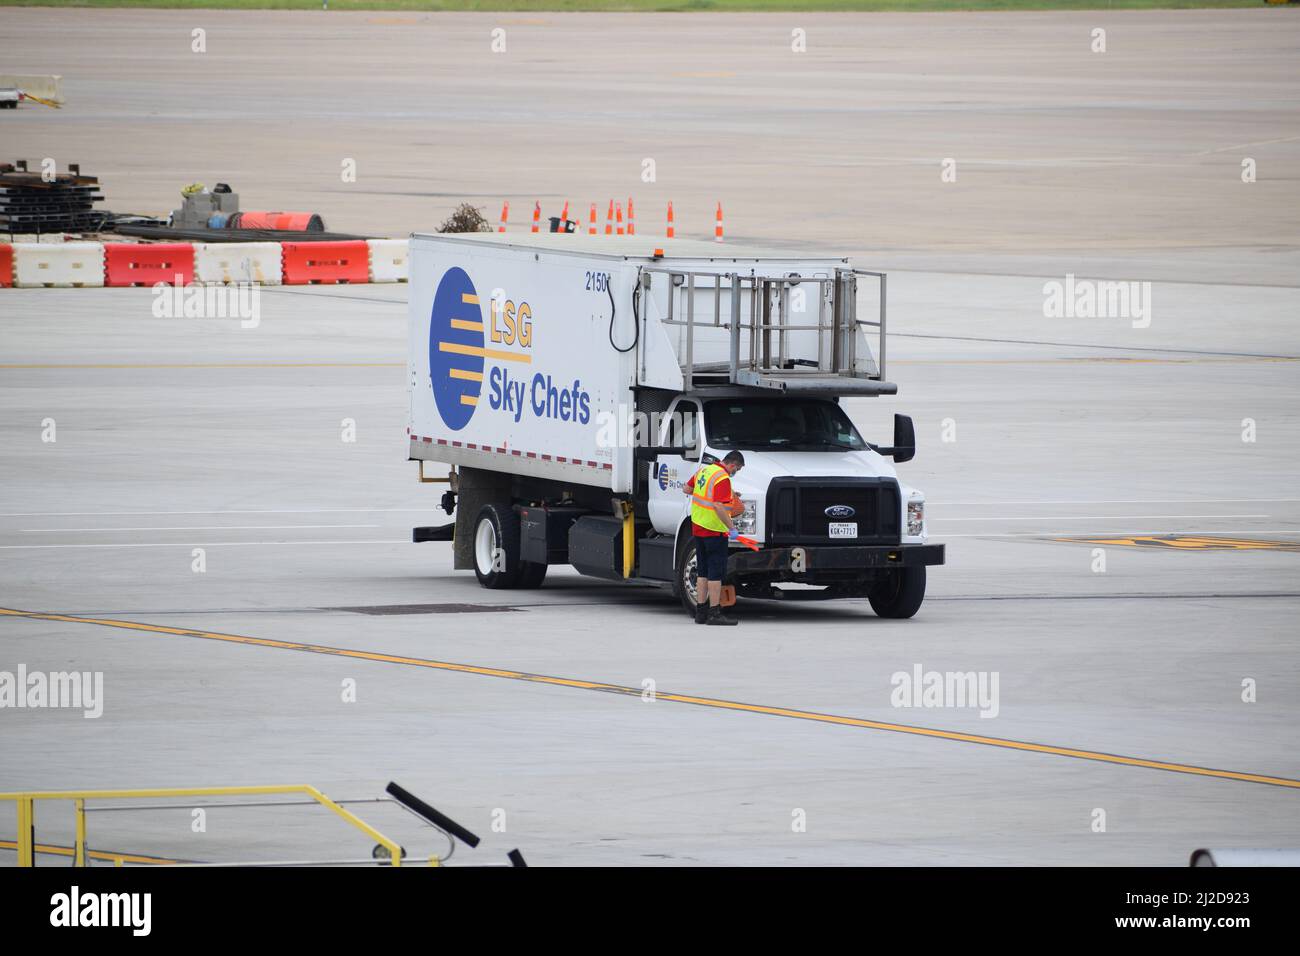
711 551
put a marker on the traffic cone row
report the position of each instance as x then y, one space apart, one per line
613 219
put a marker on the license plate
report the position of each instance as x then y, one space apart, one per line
843 529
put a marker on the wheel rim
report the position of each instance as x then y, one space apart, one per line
690 576
485 546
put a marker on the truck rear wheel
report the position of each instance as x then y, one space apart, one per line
497 564
496 547
899 593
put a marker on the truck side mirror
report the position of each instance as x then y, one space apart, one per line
904 439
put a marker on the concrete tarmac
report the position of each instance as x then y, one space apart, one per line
181 434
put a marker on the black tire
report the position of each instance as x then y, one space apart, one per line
684 574
497 527
899 593
531 575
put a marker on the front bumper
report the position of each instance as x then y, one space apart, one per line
829 560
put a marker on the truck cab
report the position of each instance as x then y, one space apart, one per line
810 482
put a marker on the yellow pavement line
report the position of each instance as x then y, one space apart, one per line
677 698
55 850
137 365
1185 542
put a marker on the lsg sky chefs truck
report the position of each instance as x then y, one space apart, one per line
574 384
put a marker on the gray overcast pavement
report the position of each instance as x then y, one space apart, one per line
176 434
1145 660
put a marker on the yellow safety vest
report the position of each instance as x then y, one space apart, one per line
702 510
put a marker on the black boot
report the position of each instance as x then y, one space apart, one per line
701 613
716 617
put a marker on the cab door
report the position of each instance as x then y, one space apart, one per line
670 474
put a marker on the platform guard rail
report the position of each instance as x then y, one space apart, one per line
386 852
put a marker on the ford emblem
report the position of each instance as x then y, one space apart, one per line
840 511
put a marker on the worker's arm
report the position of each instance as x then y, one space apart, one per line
723 511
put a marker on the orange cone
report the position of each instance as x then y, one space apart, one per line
631 218
505 214
609 219
564 214
619 220
717 230
537 217
591 229
671 231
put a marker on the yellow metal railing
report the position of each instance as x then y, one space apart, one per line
26 807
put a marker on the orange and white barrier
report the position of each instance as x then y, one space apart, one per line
631 218
505 214
618 213
388 260
717 230
332 262
609 219
591 229
229 263
148 263
58 264
671 230
537 217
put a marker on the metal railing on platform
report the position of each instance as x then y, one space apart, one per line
387 852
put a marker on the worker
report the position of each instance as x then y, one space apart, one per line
713 529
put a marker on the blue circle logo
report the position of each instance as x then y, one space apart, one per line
456 348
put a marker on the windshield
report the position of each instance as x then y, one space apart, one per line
771 423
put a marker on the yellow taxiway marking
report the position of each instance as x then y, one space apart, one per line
711 702
55 850
1189 542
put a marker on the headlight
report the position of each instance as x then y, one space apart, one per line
745 523
915 517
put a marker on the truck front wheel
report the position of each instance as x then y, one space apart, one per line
899 593
686 574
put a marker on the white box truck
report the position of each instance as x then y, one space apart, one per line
574 384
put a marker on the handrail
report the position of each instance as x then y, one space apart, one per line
25 803
843 325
